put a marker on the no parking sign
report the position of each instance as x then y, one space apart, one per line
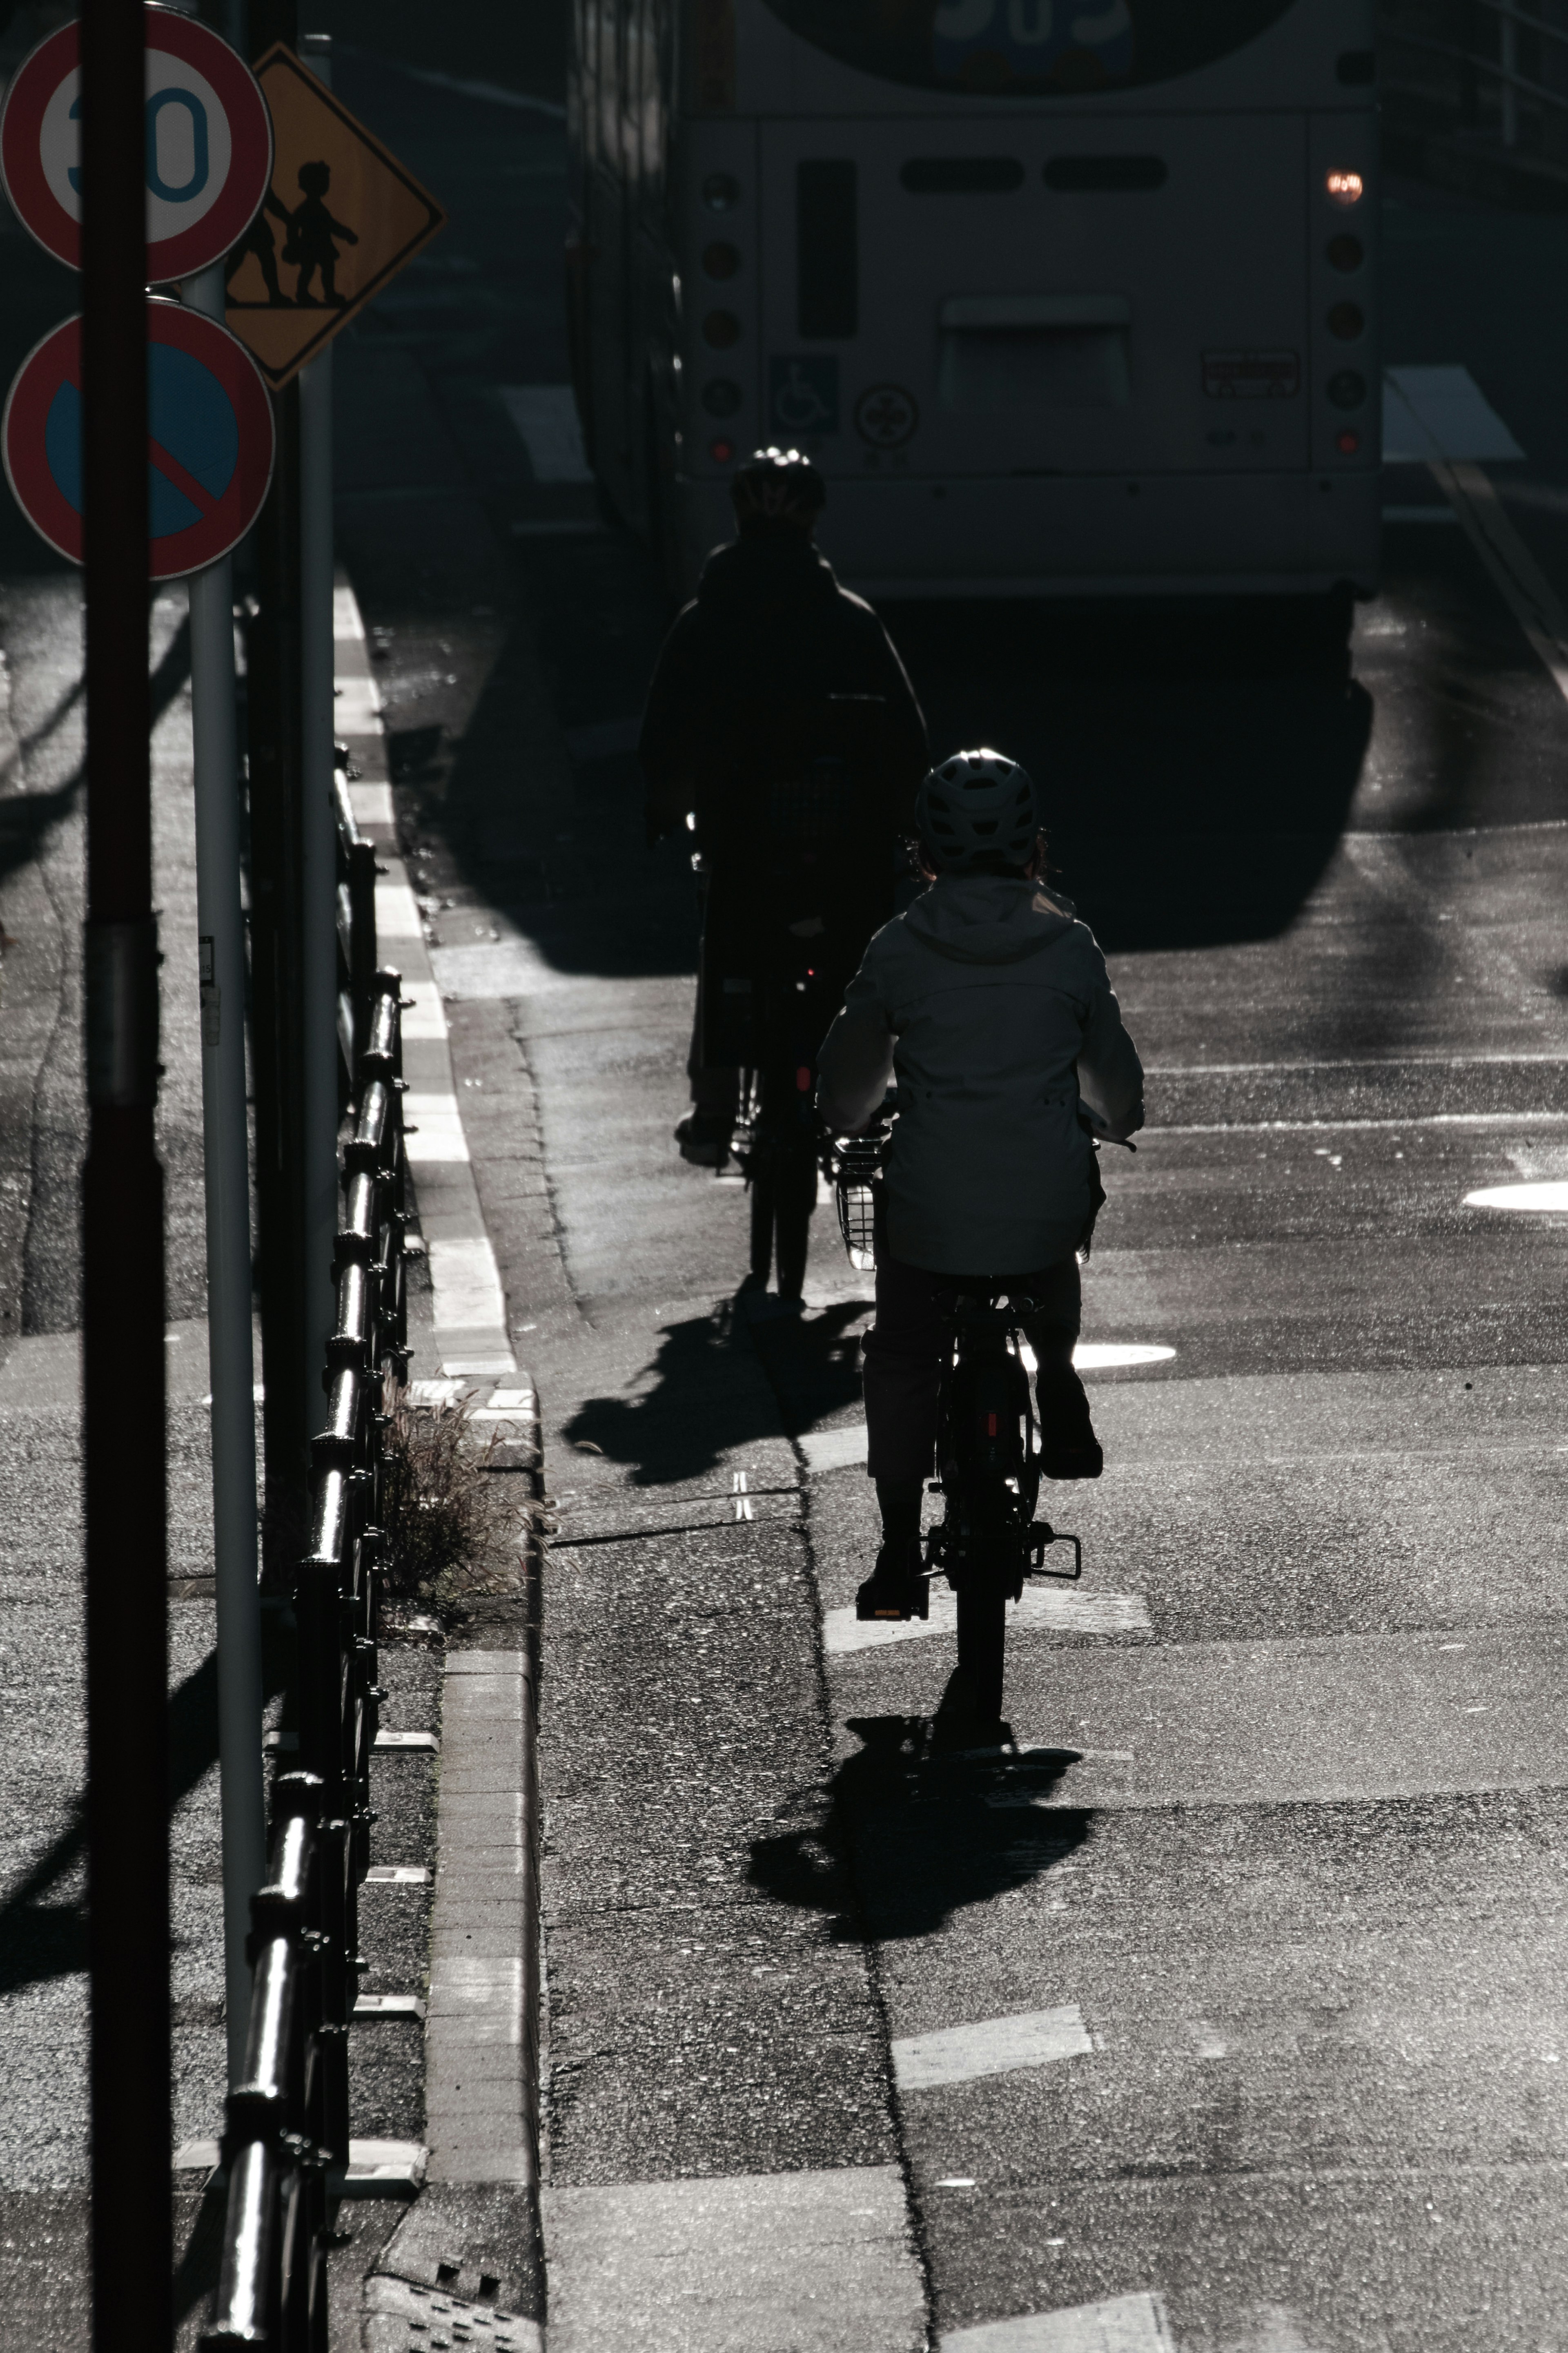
209 146
210 439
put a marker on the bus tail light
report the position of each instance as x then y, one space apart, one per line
722 451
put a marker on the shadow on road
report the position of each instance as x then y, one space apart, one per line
27 818
43 1935
1198 763
908 1832
697 1411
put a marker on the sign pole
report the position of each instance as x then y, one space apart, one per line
227 1164
277 991
320 829
122 1239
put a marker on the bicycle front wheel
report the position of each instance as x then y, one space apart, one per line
982 1640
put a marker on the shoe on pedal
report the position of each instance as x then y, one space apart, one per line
896 1588
703 1137
1083 1461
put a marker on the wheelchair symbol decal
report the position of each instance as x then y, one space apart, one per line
803 395
886 415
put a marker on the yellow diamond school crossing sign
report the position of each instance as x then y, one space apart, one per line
338 221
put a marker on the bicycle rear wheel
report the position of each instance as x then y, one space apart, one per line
982 1641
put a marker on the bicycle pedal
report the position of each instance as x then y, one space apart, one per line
1037 1538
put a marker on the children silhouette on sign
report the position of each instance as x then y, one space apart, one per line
257 240
312 235
309 242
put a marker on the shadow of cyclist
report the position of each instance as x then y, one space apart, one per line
911 1831
696 1410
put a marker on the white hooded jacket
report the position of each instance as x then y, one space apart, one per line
992 1005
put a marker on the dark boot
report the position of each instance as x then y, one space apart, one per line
896 1588
1069 1447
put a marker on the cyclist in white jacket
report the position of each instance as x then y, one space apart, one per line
990 1004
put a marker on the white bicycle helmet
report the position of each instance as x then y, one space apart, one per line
977 805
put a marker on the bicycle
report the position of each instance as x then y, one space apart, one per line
988 1541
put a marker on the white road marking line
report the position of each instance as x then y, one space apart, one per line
425 1744
545 415
1126 2324
438 1133
1539 1198
1354 1062
397 1874
990 2046
1440 413
1472 1119
1105 1356
1058 1610
467 1287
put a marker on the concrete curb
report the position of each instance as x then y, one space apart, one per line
467 2258
469 1307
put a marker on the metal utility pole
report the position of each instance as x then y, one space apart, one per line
226 1156
277 950
122 1237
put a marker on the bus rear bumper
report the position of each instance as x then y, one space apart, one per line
1094 535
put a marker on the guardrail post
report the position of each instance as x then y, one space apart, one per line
272 2275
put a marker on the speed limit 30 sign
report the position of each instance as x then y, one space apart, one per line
209 146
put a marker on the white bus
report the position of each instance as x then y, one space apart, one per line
1064 297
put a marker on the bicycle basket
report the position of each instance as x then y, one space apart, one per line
856 1176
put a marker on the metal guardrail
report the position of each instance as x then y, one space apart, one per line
288 2123
355 908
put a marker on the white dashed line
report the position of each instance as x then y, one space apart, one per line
1123 2326
993 2046
1127 2324
1054 1610
1542 1199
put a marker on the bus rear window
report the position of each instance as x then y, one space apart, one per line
1025 49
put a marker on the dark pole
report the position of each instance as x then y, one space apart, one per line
123 1239
275 706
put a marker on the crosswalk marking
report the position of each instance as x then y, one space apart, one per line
1042 1607
1127 2324
990 2046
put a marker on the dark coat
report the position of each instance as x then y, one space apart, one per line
743 681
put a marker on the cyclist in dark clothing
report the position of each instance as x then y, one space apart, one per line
779 719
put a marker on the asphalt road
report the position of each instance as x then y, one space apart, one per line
1243 1963
1224 2006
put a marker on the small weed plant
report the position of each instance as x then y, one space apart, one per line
442 1508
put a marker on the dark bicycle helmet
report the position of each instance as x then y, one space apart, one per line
777 486
977 805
